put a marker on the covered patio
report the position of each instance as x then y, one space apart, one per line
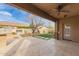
65 16
66 41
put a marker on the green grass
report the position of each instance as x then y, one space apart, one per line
46 36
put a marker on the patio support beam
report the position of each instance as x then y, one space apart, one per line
31 8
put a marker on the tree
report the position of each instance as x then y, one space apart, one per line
35 23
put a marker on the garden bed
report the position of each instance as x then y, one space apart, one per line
46 36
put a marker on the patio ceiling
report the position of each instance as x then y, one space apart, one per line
33 9
49 10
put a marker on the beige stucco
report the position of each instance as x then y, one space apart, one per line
73 22
43 30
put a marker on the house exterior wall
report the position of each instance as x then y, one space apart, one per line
73 22
43 30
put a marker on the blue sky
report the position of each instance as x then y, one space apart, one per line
13 14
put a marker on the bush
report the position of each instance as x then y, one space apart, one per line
3 35
48 35
13 33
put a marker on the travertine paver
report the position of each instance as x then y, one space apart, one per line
38 47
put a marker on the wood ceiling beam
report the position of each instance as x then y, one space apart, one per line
31 8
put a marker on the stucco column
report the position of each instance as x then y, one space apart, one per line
61 29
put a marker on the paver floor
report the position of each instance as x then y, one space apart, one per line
39 47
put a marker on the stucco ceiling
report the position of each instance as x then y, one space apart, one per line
50 9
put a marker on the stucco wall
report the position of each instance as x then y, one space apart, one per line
73 22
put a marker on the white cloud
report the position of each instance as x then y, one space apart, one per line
5 13
10 19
